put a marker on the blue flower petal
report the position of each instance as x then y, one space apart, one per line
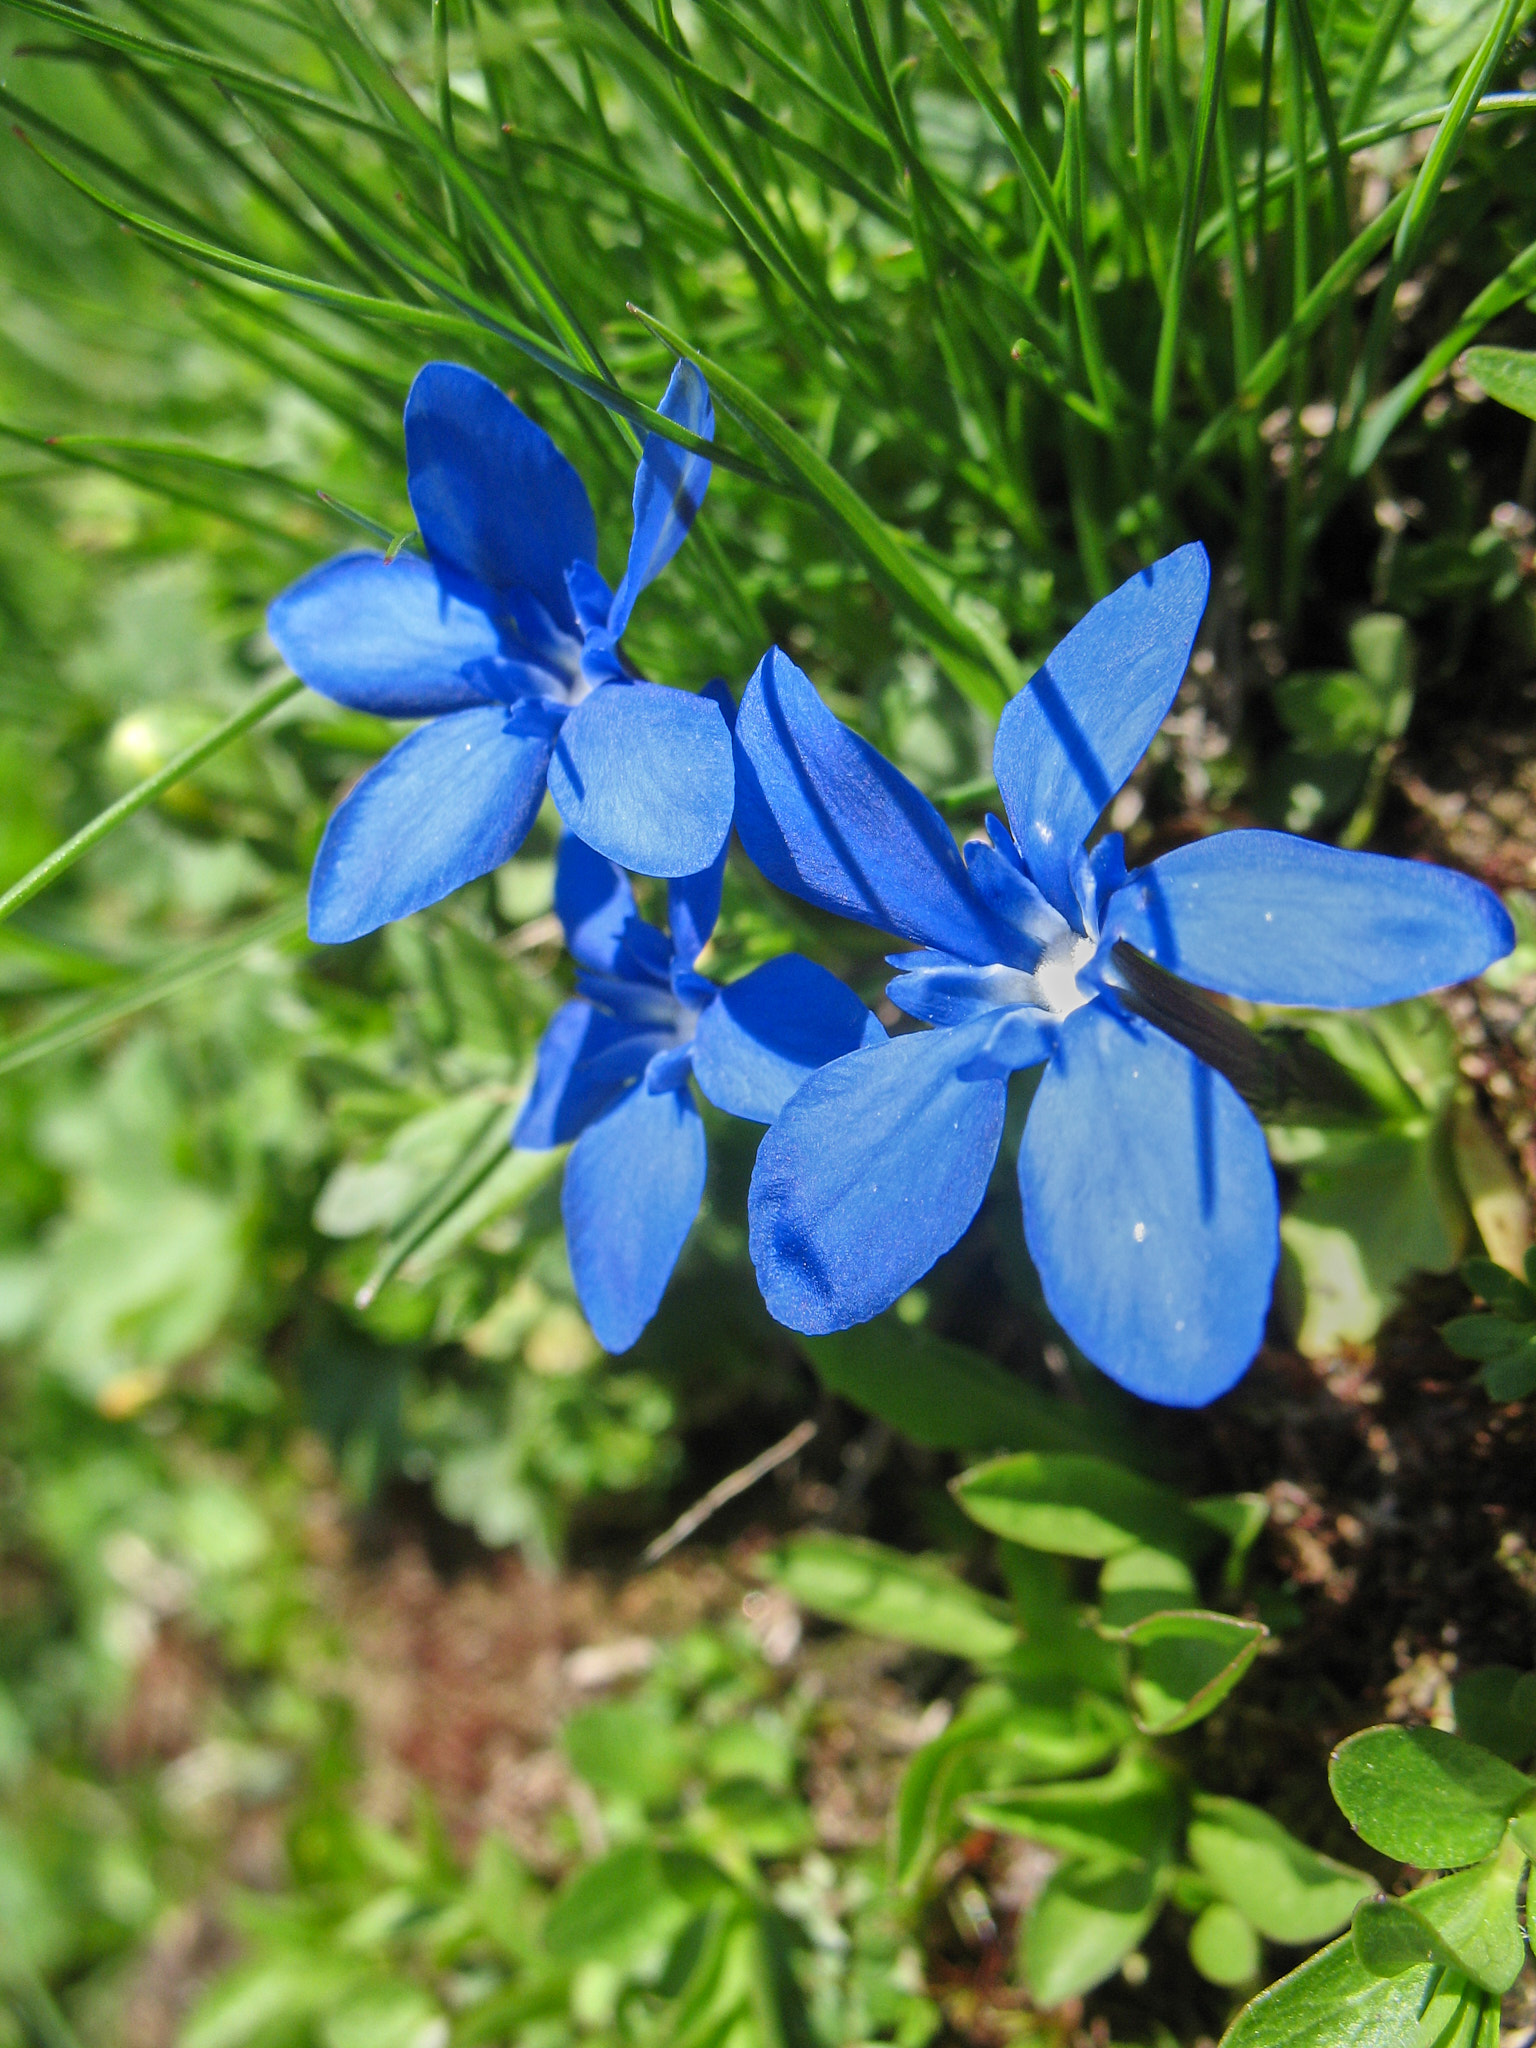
590 595
496 501
1283 920
586 1060
645 774
1005 888
825 817
669 489
1018 1039
452 801
957 994
763 1035
1067 742
633 1184
693 901
385 637
873 1170
1149 1209
594 902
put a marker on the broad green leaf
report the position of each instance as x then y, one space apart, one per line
1426 1798
388 2013
1126 1818
1473 1920
1136 1583
1183 1664
941 1394
1083 1926
887 1593
1333 2001
629 1748
634 1901
1288 1891
1078 1506
746 1814
1507 374
1496 1708
938 1776
1505 1293
1241 1518
1388 1940
1223 1946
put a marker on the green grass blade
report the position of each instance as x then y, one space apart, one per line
1203 142
1389 26
694 78
188 57
1317 80
175 770
423 319
974 669
75 1022
1448 137
1329 291
1512 285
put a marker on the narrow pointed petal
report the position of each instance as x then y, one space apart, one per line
958 994
873 1170
496 501
595 904
633 1184
1149 1209
1066 744
586 1061
590 596
1283 920
765 1034
645 774
669 489
385 637
825 817
452 801
693 906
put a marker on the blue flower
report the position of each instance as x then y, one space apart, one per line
613 1074
505 641
1149 1201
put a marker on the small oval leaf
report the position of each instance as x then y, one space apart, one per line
1424 1797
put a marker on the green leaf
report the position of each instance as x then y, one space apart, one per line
1078 1506
635 1900
1490 1339
1288 1891
938 1776
1124 1819
1424 1797
1333 2001
630 1748
1223 1946
887 1593
973 665
1507 374
1082 1927
1136 1583
1505 1293
1183 1665
941 1394
1496 1708
1473 1919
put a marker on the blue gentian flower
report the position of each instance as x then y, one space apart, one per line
1149 1201
505 641
613 1072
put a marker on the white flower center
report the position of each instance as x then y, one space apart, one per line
1055 976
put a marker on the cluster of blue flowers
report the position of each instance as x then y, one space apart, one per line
1150 1207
